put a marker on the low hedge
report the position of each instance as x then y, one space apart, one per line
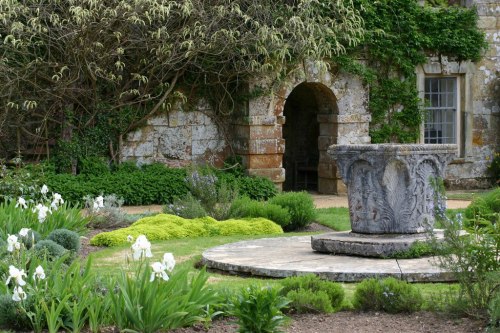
164 227
147 185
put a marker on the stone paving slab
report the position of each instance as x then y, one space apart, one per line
291 256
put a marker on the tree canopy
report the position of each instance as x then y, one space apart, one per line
66 65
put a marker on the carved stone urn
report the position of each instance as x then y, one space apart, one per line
390 191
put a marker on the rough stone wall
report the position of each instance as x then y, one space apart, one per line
178 138
471 171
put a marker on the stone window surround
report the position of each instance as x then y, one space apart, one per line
463 71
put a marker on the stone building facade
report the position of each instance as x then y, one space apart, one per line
284 135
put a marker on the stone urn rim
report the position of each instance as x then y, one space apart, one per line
393 148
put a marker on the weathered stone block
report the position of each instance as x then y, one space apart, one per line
487 22
277 175
261 146
272 161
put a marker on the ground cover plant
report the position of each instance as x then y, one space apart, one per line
164 227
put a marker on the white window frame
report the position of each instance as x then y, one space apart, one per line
464 72
458 115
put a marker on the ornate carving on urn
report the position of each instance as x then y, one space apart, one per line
388 185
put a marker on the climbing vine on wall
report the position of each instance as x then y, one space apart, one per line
400 35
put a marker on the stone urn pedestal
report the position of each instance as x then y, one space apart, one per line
391 196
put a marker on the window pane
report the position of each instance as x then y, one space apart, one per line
440 121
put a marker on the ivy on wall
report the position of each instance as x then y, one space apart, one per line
400 35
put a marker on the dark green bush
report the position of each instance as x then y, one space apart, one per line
300 206
246 207
309 285
484 206
389 295
151 184
256 188
68 239
94 165
50 249
12 315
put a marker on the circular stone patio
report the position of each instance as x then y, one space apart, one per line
289 256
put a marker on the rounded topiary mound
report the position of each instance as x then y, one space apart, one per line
389 295
164 227
309 293
50 249
68 239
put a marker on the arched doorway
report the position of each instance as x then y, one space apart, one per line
310 127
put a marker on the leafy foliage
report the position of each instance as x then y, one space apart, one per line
300 205
389 295
259 309
163 227
484 207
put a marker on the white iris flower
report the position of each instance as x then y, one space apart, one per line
42 211
168 261
21 203
141 247
12 243
44 189
16 275
39 273
24 232
19 294
56 201
158 271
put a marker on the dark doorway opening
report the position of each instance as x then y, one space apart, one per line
308 115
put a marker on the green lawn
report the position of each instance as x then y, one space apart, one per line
335 218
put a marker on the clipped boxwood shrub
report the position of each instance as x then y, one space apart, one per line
301 208
309 293
164 227
68 239
484 206
50 249
246 207
389 295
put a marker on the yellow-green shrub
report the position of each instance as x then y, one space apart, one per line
164 227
